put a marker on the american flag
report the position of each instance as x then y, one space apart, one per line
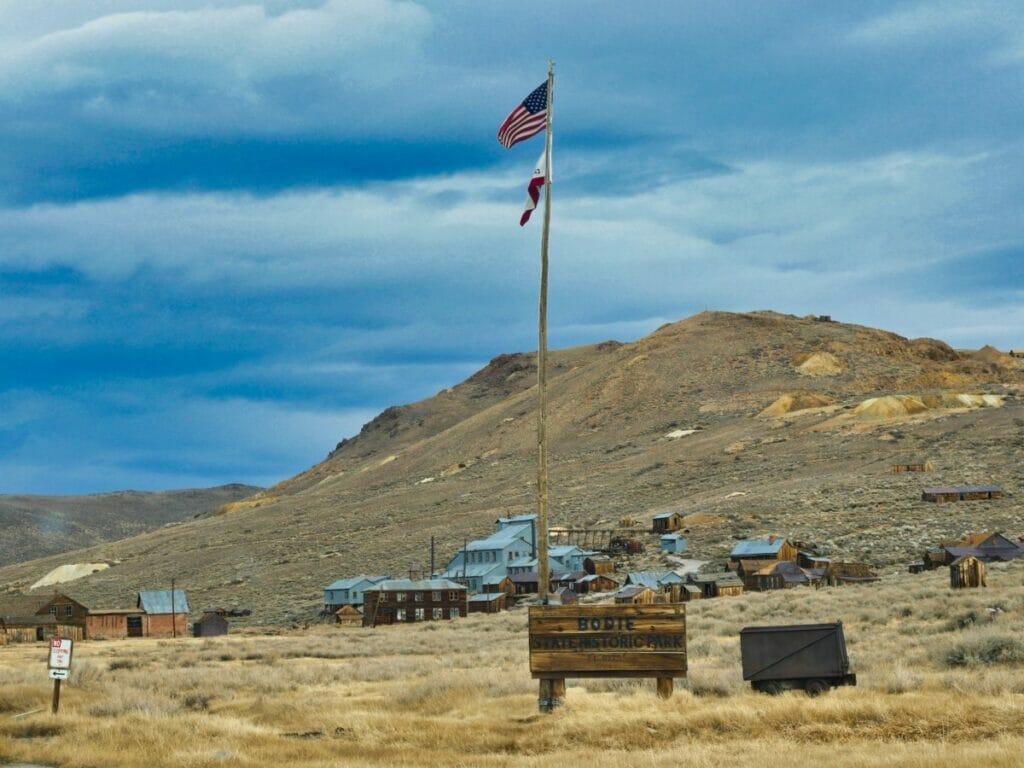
526 120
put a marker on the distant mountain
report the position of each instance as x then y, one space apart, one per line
751 423
37 526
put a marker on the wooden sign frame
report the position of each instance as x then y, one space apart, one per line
618 641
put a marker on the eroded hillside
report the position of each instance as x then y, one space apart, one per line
676 420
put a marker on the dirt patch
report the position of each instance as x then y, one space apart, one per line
69 572
820 364
797 402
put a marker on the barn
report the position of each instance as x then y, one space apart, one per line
27 618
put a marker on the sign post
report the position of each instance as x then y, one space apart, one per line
606 641
59 666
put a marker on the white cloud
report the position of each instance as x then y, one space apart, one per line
173 67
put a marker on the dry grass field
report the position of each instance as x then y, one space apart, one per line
941 682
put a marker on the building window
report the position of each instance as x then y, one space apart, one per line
419 614
438 613
453 613
400 596
384 597
453 595
68 611
435 596
400 614
53 610
417 596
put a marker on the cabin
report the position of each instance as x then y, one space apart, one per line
966 572
782 574
724 584
349 616
771 548
602 564
212 624
565 579
31 618
596 582
659 581
525 583
988 547
165 612
667 522
952 493
635 595
405 600
672 544
348 592
500 584
488 603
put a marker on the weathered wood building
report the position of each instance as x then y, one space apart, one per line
635 595
494 602
667 522
30 618
952 493
599 564
766 550
967 572
349 616
404 600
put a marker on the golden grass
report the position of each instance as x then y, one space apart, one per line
940 682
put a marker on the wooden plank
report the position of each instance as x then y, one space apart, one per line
608 640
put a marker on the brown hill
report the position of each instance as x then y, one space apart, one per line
449 465
36 526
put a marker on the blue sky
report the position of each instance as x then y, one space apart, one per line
231 233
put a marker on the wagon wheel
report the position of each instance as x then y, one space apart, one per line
816 687
771 687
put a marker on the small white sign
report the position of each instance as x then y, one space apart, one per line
59 674
60 653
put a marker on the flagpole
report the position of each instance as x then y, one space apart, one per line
543 571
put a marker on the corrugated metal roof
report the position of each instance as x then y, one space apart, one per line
158 602
353 581
474 570
664 515
519 518
951 489
486 597
753 547
417 585
498 540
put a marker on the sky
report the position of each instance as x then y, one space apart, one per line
233 232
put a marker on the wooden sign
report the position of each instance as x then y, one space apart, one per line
608 641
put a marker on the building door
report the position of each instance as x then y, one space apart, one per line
39 633
134 626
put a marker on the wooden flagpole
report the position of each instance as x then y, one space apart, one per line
543 571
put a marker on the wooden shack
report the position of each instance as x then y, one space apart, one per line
525 583
967 572
916 466
599 564
349 616
596 583
635 596
952 493
493 602
212 624
667 522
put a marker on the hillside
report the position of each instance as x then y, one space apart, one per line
784 442
37 526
